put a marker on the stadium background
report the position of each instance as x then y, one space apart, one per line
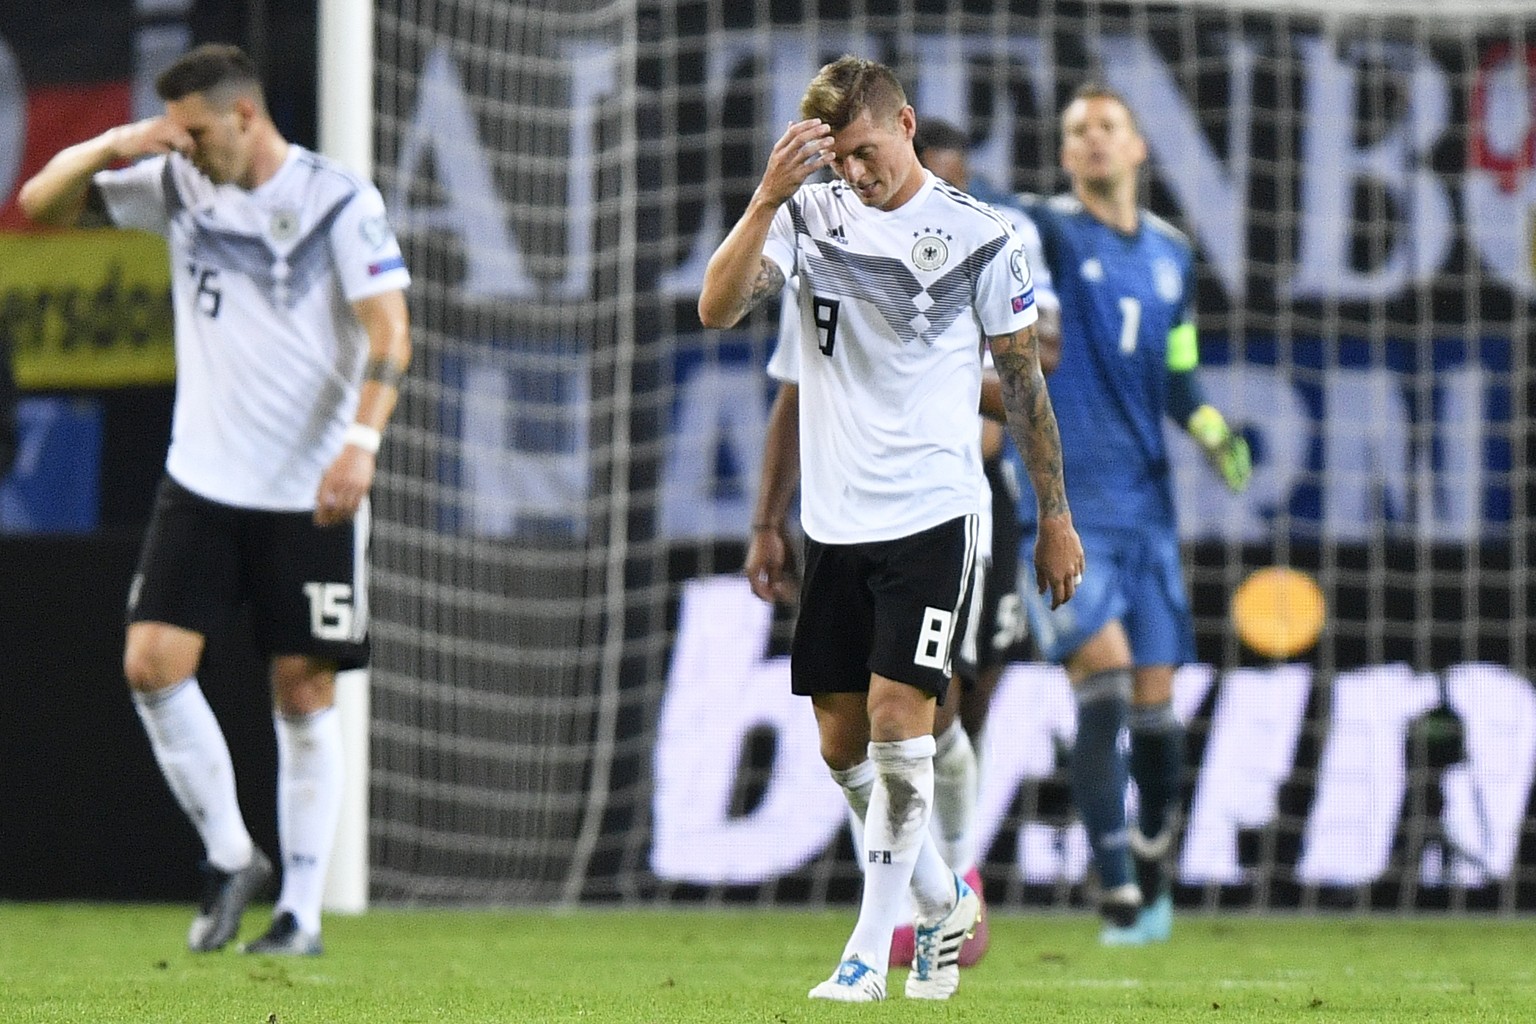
572 699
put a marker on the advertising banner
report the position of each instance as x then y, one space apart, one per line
87 309
1361 208
1335 769
77 309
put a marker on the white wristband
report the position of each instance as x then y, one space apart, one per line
360 435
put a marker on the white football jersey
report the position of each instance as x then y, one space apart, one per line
894 307
269 354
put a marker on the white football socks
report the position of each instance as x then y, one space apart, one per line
309 791
932 891
193 756
897 844
955 782
856 783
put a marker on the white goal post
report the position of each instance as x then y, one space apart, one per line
345 54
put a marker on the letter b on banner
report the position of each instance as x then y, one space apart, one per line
720 690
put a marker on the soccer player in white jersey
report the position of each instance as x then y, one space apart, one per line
897 276
993 627
291 337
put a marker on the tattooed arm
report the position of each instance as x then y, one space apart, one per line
739 276
1048 333
1058 552
1030 417
727 310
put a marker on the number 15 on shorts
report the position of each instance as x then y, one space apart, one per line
330 610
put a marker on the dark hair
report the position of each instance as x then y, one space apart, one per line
1095 90
934 133
850 85
209 68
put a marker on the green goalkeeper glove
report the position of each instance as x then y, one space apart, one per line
1225 451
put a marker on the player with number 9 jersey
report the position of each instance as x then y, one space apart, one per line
888 298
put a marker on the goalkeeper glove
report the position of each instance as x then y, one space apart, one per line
1225 451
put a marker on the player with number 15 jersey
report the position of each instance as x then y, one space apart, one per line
292 335
269 354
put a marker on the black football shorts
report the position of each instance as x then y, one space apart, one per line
895 607
305 585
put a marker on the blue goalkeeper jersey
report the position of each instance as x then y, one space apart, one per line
1122 296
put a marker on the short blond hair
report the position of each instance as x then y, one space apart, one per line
845 88
1094 90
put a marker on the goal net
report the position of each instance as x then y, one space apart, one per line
575 698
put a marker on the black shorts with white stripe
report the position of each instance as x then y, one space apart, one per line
305 585
896 608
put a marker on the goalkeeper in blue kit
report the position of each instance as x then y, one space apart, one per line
1129 357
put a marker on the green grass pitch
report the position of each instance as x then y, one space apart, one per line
102 964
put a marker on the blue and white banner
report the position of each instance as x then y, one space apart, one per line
520 416
1351 440
1354 440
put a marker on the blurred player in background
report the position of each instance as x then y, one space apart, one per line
895 271
1128 357
291 338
